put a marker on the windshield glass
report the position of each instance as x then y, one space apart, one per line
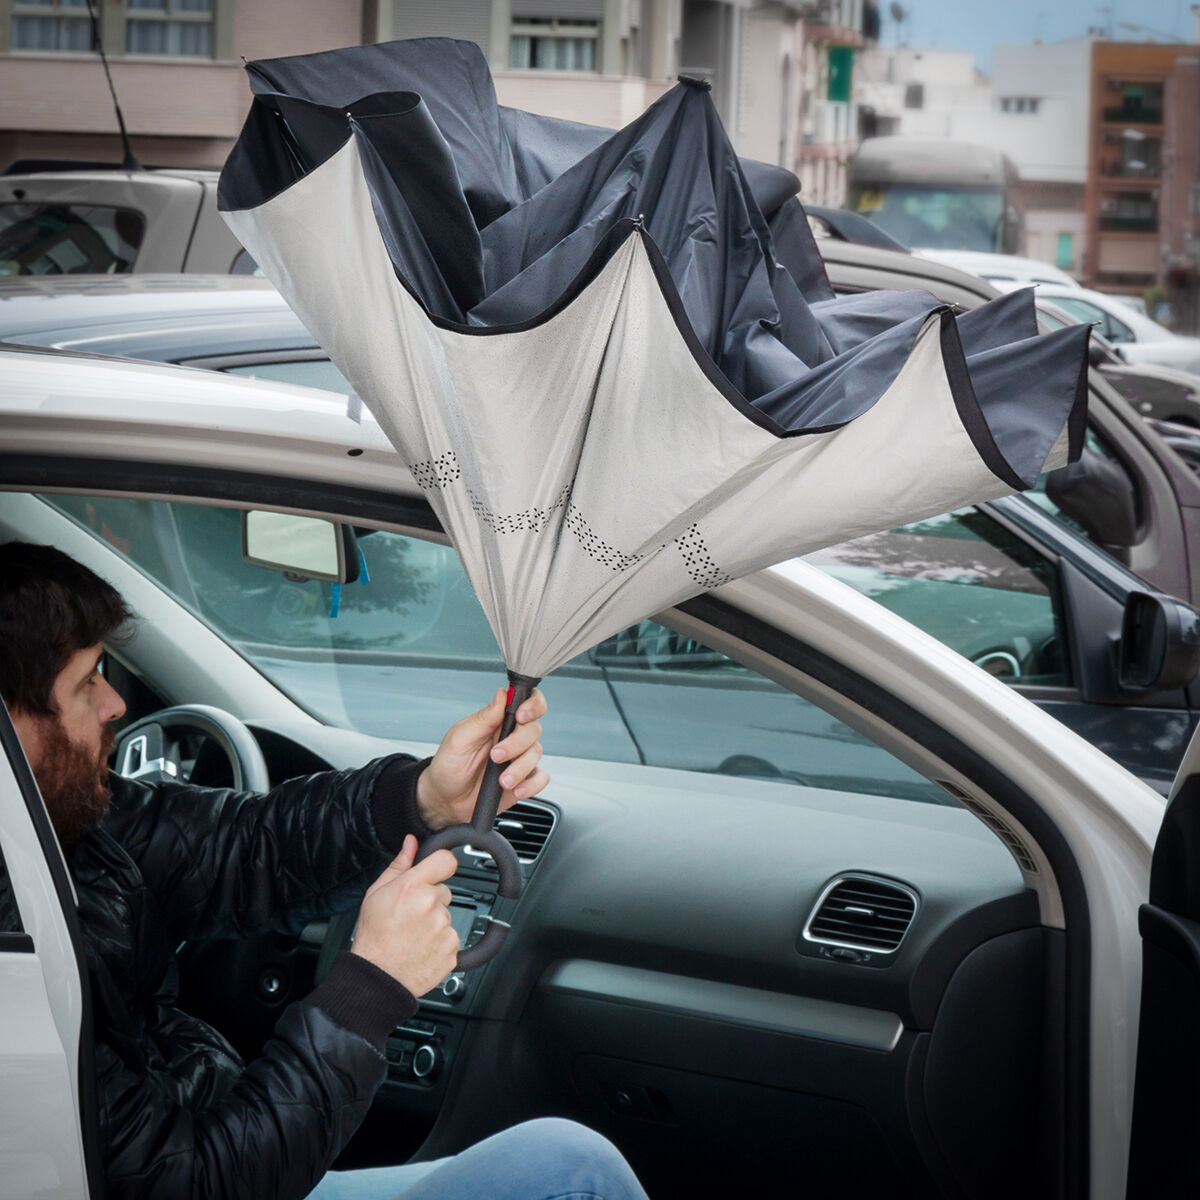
938 217
68 239
406 651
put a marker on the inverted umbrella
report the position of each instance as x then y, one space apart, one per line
617 381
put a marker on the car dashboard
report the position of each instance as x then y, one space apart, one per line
742 985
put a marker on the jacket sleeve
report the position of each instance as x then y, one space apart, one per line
223 863
288 1114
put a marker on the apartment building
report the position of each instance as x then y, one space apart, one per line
781 72
1143 188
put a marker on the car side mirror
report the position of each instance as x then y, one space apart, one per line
1097 494
1159 648
300 547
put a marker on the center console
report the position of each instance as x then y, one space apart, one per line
420 1050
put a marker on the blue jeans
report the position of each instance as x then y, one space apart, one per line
546 1159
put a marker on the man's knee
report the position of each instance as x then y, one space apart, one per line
587 1158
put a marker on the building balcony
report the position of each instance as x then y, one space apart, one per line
1129 224
837 35
610 100
1132 116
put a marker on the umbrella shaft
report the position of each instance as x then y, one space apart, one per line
487 805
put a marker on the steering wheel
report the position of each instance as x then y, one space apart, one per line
142 751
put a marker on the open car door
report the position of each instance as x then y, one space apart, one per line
1164 1158
45 1081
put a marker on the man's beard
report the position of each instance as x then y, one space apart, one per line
73 781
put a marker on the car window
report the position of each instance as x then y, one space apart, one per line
1050 320
969 582
68 239
1112 328
409 651
311 372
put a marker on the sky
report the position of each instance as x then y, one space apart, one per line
979 25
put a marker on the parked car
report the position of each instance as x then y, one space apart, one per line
1182 437
1011 589
1003 271
1138 338
234 323
670 978
70 219
1146 513
1158 393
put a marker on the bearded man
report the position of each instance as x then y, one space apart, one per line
181 1115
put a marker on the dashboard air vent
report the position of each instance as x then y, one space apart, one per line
527 826
863 913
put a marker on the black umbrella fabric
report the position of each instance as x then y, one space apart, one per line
612 361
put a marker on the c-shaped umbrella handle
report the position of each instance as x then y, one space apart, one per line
479 834
506 860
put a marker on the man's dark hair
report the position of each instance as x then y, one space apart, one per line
50 608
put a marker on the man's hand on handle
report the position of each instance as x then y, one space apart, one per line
448 787
404 923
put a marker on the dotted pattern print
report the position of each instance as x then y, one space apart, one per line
437 472
596 546
441 472
699 562
529 520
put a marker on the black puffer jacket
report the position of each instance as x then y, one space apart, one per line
181 1115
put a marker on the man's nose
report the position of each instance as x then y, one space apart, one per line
114 706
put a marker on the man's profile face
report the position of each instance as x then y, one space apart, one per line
68 750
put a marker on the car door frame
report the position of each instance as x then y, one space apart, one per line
46 999
1164 1157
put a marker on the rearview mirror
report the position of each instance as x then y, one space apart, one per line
1159 648
1099 496
300 547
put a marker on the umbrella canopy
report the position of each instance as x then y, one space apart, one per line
618 381
612 361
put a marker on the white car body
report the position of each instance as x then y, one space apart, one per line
1137 338
75 407
1004 271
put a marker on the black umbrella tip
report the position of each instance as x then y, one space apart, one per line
702 85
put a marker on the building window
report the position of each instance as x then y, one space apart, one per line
1020 104
914 95
1140 103
51 25
548 44
1129 212
180 27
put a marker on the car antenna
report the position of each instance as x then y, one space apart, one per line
130 162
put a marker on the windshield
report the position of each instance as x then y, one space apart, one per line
943 218
406 651
68 239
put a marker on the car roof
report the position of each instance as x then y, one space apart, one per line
1007 267
99 173
88 406
869 267
168 318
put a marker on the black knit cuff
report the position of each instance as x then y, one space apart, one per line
394 803
361 997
